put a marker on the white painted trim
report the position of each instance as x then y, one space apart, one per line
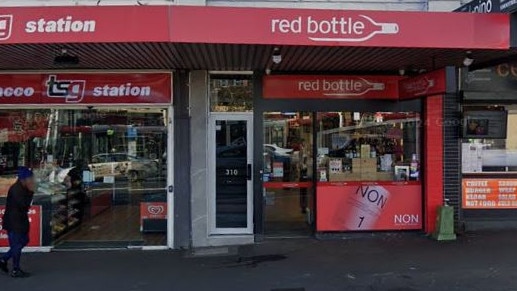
30 249
93 71
230 240
170 177
230 72
154 248
84 106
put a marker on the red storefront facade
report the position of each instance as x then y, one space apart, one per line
358 69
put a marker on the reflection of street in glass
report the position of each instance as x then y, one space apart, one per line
477 126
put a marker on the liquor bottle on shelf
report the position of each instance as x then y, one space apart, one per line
414 168
373 153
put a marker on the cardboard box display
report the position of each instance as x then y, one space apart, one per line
369 176
335 165
356 165
369 162
384 176
365 151
344 177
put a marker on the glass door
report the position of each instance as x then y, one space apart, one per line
287 173
231 185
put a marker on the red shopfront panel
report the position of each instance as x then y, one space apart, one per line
330 87
366 206
243 25
86 88
433 152
427 84
34 230
84 24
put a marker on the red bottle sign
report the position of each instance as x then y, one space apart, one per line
338 87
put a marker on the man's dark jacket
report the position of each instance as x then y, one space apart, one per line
16 217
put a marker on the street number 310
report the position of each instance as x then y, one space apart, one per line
232 172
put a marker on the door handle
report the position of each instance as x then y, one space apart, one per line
248 172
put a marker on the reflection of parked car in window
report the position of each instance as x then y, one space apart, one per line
121 164
277 153
277 149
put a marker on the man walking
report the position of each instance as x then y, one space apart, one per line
16 220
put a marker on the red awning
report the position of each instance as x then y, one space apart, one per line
84 24
222 38
317 27
224 25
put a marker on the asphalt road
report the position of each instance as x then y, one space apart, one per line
401 262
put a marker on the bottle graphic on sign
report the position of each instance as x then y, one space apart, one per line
352 87
365 29
365 207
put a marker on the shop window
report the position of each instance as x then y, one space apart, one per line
231 93
489 142
366 166
100 172
368 146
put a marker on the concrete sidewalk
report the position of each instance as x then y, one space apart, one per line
485 261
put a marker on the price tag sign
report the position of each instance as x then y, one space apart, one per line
109 179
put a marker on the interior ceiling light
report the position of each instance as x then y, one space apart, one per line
277 57
64 58
468 60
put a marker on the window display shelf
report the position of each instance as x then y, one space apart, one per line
357 183
56 198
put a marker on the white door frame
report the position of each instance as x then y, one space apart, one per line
170 177
211 181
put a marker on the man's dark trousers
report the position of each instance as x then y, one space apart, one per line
17 241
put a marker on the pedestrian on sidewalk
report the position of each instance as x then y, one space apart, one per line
16 220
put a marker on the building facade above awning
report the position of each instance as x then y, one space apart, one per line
488 6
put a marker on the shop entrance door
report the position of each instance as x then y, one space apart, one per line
287 173
231 180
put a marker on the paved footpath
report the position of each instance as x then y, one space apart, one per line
398 262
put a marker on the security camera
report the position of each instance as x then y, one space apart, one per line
468 60
277 57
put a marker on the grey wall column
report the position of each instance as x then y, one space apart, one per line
451 143
198 154
181 160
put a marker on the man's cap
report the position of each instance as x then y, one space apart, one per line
24 173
